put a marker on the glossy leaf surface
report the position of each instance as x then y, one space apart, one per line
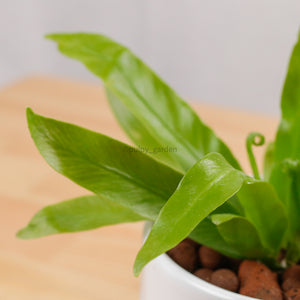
139 134
206 186
103 165
82 213
206 233
164 115
241 235
287 143
265 211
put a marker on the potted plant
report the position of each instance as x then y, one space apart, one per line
182 179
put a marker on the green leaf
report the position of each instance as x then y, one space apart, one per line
287 148
206 186
82 213
293 250
292 169
240 234
294 197
162 112
232 206
268 160
287 143
138 133
206 233
103 165
265 211
281 181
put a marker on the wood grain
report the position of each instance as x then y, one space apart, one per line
82 266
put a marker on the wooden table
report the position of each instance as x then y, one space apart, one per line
83 266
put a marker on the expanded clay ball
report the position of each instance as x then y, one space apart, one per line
209 258
293 294
258 281
225 279
291 278
291 272
204 274
185 254
291 283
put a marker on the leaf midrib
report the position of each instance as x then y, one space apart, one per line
171 131
203 192
174 133
114 170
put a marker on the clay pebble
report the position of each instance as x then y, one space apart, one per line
225 279
291 278
291 283
204 274
185 254
258 281
292 294
291 272
209 258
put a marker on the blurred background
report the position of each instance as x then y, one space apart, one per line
232 53
227 53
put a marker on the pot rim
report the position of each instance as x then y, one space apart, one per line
177 271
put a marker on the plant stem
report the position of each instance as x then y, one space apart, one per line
254 139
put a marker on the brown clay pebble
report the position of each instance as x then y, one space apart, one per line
258 281
209 258
292 272
246 268
185 254
291 283
292 294
291 278
225 279
204 274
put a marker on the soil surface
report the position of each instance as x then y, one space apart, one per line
246 277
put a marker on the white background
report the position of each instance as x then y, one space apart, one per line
227 52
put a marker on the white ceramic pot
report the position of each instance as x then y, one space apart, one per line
163 279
